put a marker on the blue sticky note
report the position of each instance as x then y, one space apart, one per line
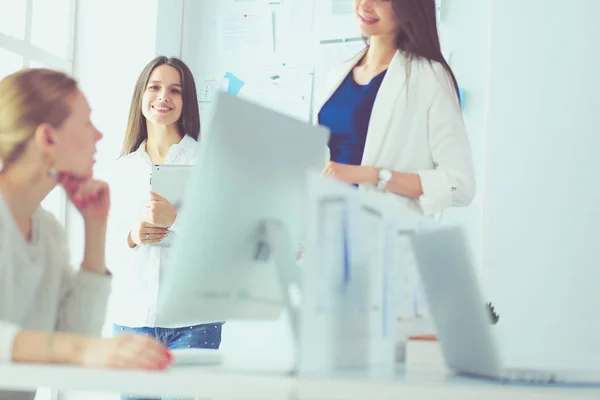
235 84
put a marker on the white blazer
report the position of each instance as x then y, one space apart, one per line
416 126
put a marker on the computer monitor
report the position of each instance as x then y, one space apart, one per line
242 217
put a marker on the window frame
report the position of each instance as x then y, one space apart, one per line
26 49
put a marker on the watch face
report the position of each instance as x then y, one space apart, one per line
385 174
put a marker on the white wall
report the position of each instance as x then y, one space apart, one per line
529 70
465 35
541 192
169 28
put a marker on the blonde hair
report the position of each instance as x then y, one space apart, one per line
29 98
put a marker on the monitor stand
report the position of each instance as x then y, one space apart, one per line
273 245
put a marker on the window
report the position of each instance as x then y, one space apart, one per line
9 62
13 18
38 33
51 26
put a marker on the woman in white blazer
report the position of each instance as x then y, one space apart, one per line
394 112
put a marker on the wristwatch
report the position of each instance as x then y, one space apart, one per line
384 176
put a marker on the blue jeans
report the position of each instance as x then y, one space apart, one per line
206 336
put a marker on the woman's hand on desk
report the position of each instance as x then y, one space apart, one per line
159 212
126 351
146 234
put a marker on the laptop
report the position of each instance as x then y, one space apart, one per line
461 317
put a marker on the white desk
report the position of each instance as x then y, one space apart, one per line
216 384
430 386
177 381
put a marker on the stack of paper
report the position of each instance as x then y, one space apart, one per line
424 353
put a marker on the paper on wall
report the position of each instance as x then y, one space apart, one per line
241 35
287 89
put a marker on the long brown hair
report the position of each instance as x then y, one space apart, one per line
417 35
189 122
29 98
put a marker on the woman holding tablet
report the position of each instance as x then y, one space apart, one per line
163 128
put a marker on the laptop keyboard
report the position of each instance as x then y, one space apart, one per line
531 376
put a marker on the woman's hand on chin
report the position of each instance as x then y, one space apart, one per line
90 196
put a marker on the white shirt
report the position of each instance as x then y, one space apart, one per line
38 288
136 272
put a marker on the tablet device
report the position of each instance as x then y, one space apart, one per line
170 181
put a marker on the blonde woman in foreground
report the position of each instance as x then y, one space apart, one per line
48 310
